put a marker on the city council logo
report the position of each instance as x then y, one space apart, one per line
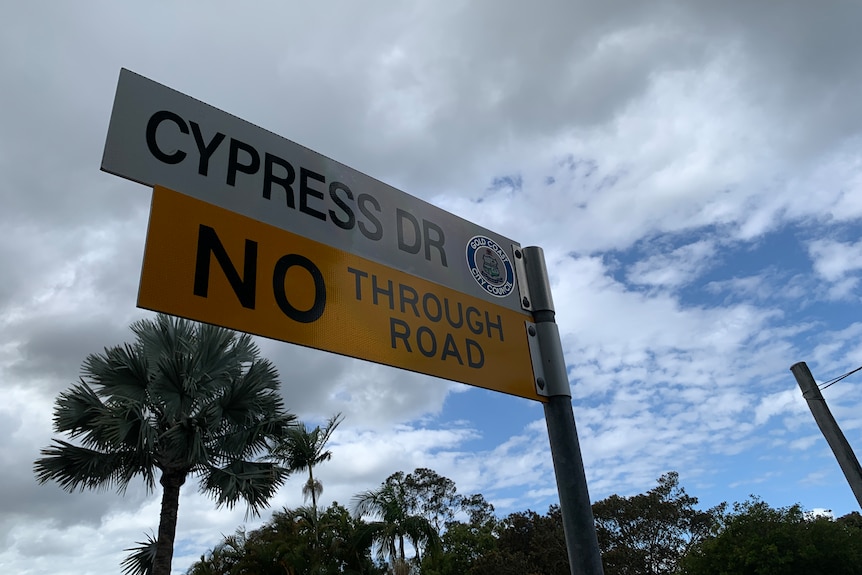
490 266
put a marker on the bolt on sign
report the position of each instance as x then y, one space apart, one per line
210 264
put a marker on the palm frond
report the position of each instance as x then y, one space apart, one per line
121 426
249 440
327 430
183 445
140 560
171 385
422 533
76 409
163 335
378 534
301 448
75 467
294 449
120 373
312 489
250 481
381 503
221 353
254 391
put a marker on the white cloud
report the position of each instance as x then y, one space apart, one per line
834 260
674 269
780 403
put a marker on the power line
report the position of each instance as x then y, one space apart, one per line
833 381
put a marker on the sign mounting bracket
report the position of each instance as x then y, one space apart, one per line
521 275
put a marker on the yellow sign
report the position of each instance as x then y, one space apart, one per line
213 265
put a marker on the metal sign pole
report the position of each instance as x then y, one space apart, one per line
578 523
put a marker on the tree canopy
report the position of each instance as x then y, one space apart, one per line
756 539
647 534
288 544
659 531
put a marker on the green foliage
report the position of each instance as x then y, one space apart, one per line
394 521
527 543
295 542
851 520
183 398
757 539
463 544
140 560
478 510
659 531
431 495
647 534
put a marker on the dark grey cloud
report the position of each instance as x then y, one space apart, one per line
52 349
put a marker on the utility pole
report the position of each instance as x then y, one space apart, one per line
578 524
829 427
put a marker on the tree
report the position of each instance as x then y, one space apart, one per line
852 520
478 510
288 544
301 449
426 493
463 544
756 539
526 543
431 495
183 398
390 505
647 534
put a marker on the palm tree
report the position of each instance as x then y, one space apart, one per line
394 524
300 449
183 398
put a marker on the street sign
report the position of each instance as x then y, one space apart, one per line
268 237
158 136
209 264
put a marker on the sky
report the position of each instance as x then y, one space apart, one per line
692 170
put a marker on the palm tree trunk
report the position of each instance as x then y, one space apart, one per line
313 494
313 502
171 483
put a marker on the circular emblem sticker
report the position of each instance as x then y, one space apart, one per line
490 266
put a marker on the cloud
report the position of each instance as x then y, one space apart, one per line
777 404
675 269
691 170
834 261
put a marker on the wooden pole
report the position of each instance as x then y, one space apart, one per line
829 427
